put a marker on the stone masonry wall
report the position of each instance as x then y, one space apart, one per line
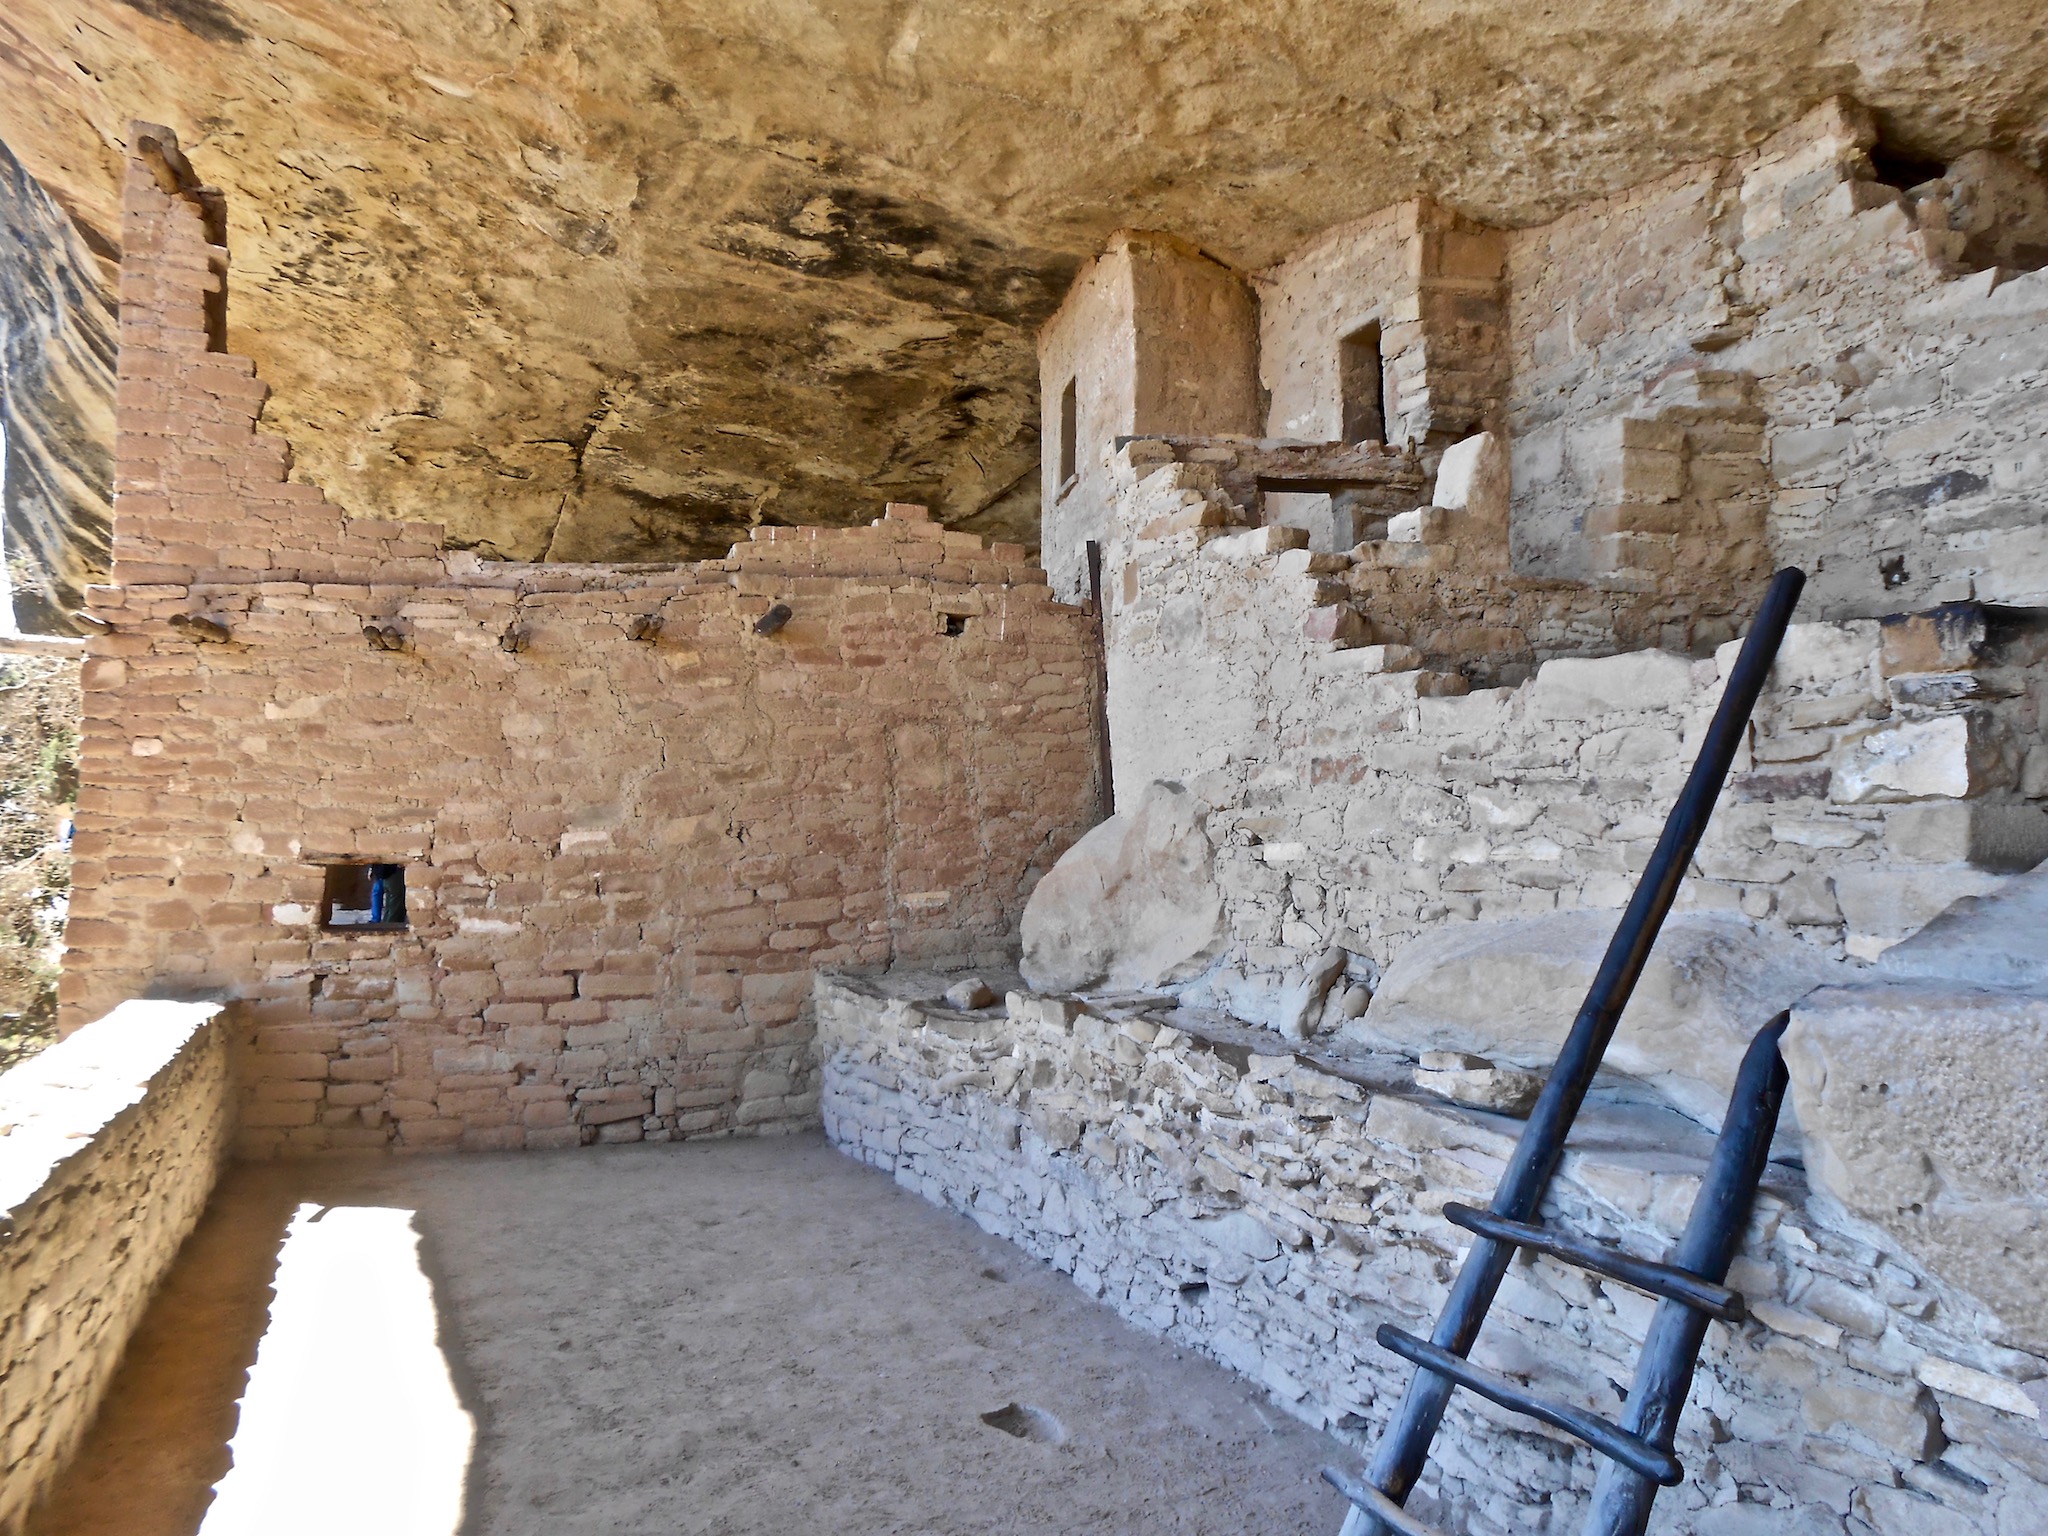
1766 360
1192 368
110 1142
1362 790
1270 1208
631 821
1898 389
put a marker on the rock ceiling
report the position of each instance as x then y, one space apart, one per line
617 281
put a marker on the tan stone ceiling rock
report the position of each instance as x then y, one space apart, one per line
619 280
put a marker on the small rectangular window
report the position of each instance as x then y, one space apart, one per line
361 896
1070 432
1362 381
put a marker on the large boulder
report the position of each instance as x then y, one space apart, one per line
1924 1104
1133 905
1509 991
1999 939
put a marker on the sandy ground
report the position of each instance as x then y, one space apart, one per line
725 1337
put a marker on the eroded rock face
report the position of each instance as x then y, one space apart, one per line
1925 1111
1509 991
1132 905
57 409
620 281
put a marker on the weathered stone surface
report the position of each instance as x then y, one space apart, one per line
1473 1080
1509 991
1911 760
1883 904
1472 477
1925 1111
1999 939
2006 836
730 230
971 993
1574 688
1132 905
57 410
2000 204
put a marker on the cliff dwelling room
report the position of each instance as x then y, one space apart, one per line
911 769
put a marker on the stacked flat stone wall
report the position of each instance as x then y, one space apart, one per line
1897 388
110 1143
633 812
1270 1208
1771 359
1362 791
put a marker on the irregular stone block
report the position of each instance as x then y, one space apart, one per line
1817 656
1575 688
1475 1081
1256 542
1916 760
1999 939
1924 1112
1132 905
1946 639
1509 991
1472 477
2006 837
1999 204
970 993
1883 904
1338 625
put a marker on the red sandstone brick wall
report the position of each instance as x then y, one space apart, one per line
624 856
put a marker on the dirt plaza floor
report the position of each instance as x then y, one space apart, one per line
718 1337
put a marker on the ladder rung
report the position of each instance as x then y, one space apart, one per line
1604 1435
1666 1280
1369 1499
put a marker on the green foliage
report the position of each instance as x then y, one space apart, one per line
39 713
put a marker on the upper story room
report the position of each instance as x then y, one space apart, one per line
1817 351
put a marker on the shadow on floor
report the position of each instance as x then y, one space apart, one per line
291 1376
149 1463
716 1339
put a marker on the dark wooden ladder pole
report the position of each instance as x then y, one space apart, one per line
1404 1447
1713 1233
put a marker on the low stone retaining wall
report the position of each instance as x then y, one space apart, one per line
1271 1209
110 1142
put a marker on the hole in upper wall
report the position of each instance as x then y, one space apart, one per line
363 896
953 624
1070 432
1903 169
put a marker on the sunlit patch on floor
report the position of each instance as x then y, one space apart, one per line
351 1421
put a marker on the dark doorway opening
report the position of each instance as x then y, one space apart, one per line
1363 384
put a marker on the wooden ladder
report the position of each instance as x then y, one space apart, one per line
1690 1288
